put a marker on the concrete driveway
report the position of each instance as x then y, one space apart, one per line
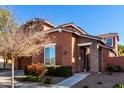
5 80
7 73
5 77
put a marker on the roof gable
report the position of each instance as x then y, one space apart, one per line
71 26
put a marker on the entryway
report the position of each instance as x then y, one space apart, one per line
84 58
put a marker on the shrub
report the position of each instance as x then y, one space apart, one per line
48 80
51 71
62 71
118 86
35 70
113 68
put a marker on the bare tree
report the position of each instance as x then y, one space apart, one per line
14 42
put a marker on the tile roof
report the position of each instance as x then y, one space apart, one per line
71 23
38 19
109 35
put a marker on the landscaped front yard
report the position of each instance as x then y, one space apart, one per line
5 80
95 80
36 75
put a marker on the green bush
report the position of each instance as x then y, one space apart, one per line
64 71
61 71
118 86
35 70
51 71
113 68
48 80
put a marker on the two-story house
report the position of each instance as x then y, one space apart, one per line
71 46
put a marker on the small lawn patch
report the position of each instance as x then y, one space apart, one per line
33 78
41 79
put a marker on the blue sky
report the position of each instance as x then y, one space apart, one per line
93 19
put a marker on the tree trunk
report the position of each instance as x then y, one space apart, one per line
13 73
4 63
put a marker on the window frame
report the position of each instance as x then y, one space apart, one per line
48 46
111 39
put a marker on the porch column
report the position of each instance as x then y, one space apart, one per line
94 57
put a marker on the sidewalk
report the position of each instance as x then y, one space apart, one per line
69 82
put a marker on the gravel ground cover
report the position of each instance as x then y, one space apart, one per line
95 80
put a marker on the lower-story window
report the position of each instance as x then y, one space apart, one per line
49 55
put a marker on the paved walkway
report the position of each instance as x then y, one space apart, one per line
69 82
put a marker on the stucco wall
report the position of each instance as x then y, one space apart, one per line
46 27
112 60
63 48
64 39
117 61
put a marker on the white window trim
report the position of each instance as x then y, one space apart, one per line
47 46
84 44
110 38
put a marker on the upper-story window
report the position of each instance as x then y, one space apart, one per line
109 41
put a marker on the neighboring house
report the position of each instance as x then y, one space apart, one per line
70 46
